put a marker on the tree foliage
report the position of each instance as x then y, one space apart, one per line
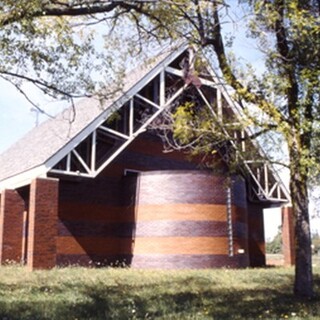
275 245
53 39
42 45
316 243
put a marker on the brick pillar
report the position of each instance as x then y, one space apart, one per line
288 243
42 229
25 237
11 226
256 241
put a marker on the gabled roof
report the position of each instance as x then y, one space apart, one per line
40 149
95 137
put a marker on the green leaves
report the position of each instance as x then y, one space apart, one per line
56 53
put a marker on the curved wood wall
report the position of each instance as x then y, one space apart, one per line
181 221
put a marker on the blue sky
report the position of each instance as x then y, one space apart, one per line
15 115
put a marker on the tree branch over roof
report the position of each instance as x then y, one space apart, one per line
59 8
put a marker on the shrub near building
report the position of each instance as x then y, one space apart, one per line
316 243
275 246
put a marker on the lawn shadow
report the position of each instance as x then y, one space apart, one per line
190 297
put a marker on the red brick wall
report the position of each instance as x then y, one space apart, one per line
181 221
98 223
42 232
11 226
93 228
96 217
257 252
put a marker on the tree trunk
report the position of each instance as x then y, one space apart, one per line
303 286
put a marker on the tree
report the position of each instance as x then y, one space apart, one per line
275 245
316 243
288 33
41 46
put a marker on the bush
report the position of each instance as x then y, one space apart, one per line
275 246
315 243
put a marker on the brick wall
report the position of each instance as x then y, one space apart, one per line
42 228
256 240
11 226
181 221
173 218
97 217
101 227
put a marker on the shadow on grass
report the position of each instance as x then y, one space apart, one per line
189 298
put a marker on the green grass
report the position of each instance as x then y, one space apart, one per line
82 293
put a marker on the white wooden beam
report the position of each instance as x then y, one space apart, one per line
151 103
82 162
68 162
179 73
93 150
162 89
114 132
131 117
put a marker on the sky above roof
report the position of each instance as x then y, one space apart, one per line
18 116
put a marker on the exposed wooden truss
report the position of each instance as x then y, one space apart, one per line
112 135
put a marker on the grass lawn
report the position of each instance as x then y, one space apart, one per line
106 293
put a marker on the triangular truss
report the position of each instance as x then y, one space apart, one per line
91 156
